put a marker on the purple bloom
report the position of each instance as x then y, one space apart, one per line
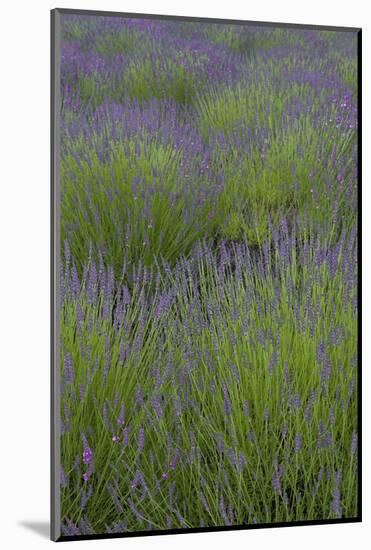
297 401
276 482
223 512
324 440
125 437
298 443
87 455
336 498
227 401
284 430
220 443
140 440
272 362
354 443
86 494
121 419
139 396
63 478
126 296
68 367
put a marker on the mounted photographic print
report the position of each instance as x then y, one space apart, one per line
205 274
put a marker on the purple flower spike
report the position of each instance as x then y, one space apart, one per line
353 446
68 367
63 478
165 475
115 438
140 440
87 455
85 476
298 443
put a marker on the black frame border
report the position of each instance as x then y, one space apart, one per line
54 273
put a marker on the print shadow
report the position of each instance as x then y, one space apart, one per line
42 528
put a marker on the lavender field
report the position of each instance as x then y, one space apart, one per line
208 275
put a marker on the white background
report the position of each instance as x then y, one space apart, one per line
24 271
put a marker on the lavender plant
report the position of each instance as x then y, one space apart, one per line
208 323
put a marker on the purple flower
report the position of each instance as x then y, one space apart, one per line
140 440
86 496
139 396
298 443
121 418
276 477
63 478
68 367
125 437
354 443
336 498
297 401
324 440
272 362
222 511
284 430
87 455
219 443
227 401
126 296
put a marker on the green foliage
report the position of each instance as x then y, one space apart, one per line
131 204
258 434
145 79
124 41
248 41
74 30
